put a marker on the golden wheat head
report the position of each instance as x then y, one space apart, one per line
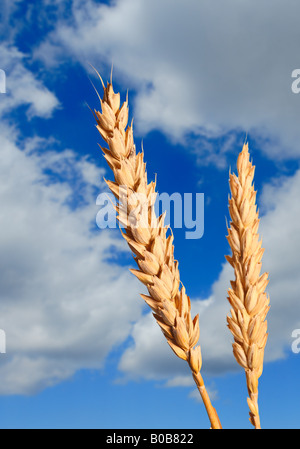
147 238
247 297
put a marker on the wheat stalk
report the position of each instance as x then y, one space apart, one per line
250 303
146 236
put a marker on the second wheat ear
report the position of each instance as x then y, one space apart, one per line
250 303
146 236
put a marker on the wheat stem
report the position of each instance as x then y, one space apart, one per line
146 236
211 411
247 296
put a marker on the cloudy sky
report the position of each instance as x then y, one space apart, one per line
82 350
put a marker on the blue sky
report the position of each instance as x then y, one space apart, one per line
82 350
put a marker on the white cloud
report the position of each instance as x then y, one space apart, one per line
212 393
150 356
8 7
179 381
196 68
22 87
63 306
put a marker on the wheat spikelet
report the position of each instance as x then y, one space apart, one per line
146 236
247 297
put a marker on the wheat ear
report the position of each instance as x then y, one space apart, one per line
146 236
247 297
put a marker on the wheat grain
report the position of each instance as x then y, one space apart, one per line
146 236
247 296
